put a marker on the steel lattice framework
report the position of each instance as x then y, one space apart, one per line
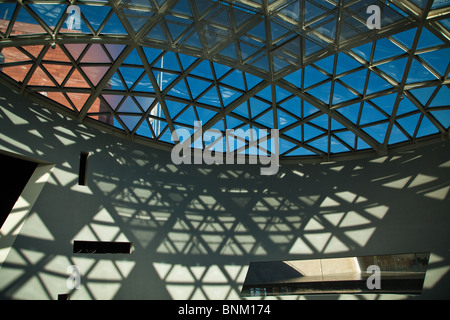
313 69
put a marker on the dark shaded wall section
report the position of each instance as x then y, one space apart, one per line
15 174
196 228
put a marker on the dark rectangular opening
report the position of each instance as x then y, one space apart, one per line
64 296
102 247
17 173
395 274
82 178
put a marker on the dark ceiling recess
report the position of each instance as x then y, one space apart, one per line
15 174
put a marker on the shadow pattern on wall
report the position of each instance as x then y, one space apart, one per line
195 229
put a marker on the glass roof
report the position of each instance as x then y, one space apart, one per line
321 72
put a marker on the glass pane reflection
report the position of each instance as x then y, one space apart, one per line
399 274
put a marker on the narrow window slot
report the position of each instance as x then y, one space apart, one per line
82 178
102 247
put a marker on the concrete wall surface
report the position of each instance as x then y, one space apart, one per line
196 228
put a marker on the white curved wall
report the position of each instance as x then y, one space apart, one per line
196 228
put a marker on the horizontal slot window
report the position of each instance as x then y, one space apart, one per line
102 247
396 274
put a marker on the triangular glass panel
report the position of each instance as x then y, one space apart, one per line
295 133
49 13
203 70
95 54
151 54
423 94
60 76
394 69
378 132
312 11
322 92
114 50
130 75
337 147
242 110
18 73
144 102
285 146
257 106
418 73
180 90
348 137
197 86
157 34
168 61
76 80
310 132
405 106
211 98
313 76
350 112
12 54
279 32
235 79
115 83
144 130
266 119
300 152
428 39
426 128
443 116
438 59
370 114
75 49
95 14
78 99
311 47
59 97
164 79
320 144
32 25
228 95
321 121
341 93
95 74
363 51
386 49
159 127
356 80
279 64
113 100
220 69
186 61
137 18
145 85
406 37
396 135
362 145
284 119
266 94
409 123
442 98
308 109
129 106
229 52
252 80
294 106
386 103
376 84
182 7
247 50
174 107
346 63
194 41
326 64
205 115
176 29
187 117
292 10
40 78
133 59
113 26
295 78
130 121
232 122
